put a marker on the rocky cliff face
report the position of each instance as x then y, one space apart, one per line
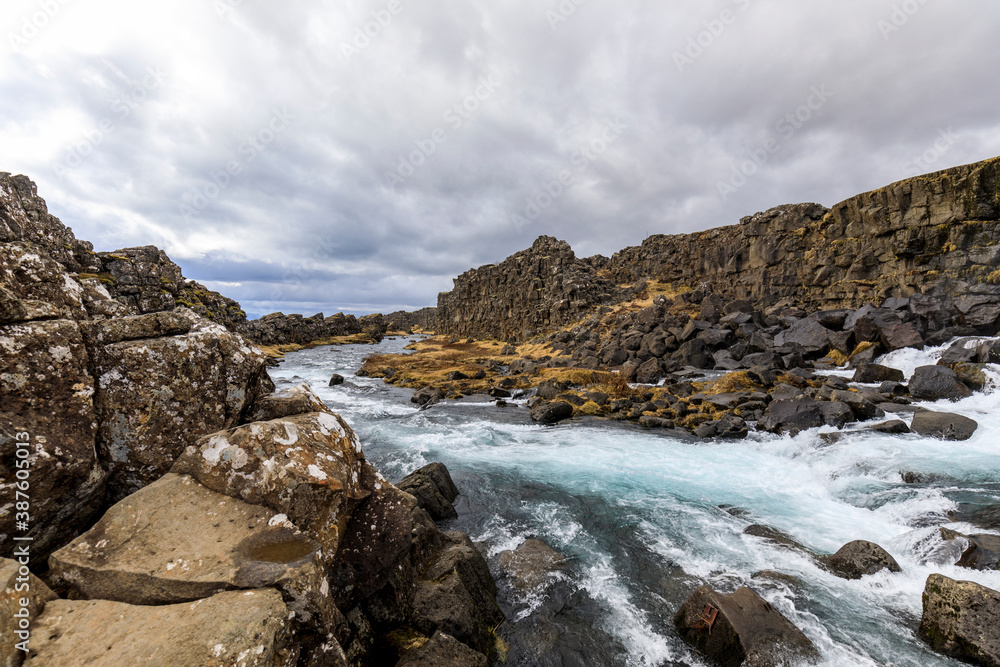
188 512
544 286
937 235
281 329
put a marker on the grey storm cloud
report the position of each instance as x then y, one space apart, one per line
358 155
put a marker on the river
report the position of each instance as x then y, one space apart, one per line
647 517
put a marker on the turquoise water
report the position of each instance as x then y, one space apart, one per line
646 518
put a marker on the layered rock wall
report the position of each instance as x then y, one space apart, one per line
934 233
937 234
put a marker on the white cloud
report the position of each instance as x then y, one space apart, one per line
308 220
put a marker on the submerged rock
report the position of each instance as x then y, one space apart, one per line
531 565
739 628
961 619
943 425
247 628
859 558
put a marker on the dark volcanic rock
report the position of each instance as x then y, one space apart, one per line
982 552
943 425
336 379
893 427
961 619
550 413
873 373
857 559
745 628
933 383
791 416
434 490
442 649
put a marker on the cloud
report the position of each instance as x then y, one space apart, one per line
359 155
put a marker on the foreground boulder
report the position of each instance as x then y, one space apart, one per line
434 490
858 559
943 425
739 628
247 628
306 467
961 619
176 541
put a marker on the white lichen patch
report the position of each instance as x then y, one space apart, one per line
329 424
291 434
61 354
280 520
316 472
213 453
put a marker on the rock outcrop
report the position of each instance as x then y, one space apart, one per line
936 235
542 287
281 329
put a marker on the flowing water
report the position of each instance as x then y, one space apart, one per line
646 517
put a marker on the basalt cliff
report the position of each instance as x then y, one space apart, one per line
936 235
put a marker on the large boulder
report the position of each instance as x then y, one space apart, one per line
858 559
307 467
943 425
434 490
23 596
246 628
176 541
961 619
157 396
982 552
932 383
791 416
741 628
47 434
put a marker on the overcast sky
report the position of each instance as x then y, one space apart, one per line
357 155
